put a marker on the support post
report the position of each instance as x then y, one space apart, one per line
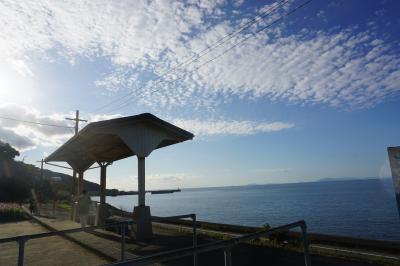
228 257
305 245
74 185
102 212
80 184
75 188
195 256
79 189
141 213
103 174
123 242
141 181
74 195
21 251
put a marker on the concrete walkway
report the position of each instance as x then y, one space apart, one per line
45 251
100 242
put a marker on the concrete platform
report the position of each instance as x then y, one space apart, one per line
100 242
46 251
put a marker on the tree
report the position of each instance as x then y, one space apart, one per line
7 152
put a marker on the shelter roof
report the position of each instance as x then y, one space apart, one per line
116 139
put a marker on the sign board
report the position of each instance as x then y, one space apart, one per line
394 159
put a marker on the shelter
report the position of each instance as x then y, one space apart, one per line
107 141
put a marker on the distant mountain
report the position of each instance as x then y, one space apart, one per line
329 179
17 179
66 180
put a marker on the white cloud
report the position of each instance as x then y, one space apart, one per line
343 68
15 140
155 181
272 170
237 3
219 127
26 136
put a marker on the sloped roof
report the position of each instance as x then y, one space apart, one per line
116 139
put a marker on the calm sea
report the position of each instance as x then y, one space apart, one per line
359 208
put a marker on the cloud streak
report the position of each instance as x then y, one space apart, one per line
203 128
25 136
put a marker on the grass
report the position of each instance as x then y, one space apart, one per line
281 241
65 206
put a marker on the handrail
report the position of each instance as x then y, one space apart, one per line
62 232
223 244
194 229
23 238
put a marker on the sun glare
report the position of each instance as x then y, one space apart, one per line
16 83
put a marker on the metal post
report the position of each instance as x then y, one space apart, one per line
141 181
228 257
305 245
123 242
21 250
195 257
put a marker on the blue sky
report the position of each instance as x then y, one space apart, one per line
314 95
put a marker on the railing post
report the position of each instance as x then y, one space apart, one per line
123 242
21 250
195 257
228 257
305 245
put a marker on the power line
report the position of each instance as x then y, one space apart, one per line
32 122
207 50
124 103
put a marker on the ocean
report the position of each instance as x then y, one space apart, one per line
357 208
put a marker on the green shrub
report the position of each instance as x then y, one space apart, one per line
10 212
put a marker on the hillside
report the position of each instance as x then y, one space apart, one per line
18 178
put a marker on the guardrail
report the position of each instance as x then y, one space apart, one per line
21 240
226 245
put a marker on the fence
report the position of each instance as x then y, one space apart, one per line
225 245
21 240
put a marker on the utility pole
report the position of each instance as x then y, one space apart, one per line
39 188
41 169
77 120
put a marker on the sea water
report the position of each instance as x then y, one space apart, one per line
357 208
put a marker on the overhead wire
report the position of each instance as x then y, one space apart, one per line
124 104
33 122
205 51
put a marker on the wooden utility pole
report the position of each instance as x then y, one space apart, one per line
36 199
77 120
41 169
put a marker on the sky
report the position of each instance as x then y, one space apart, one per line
274 91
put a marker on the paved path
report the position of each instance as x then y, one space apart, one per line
46 251
105 244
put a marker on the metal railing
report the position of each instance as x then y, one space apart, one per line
225 245
194 229
21 240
